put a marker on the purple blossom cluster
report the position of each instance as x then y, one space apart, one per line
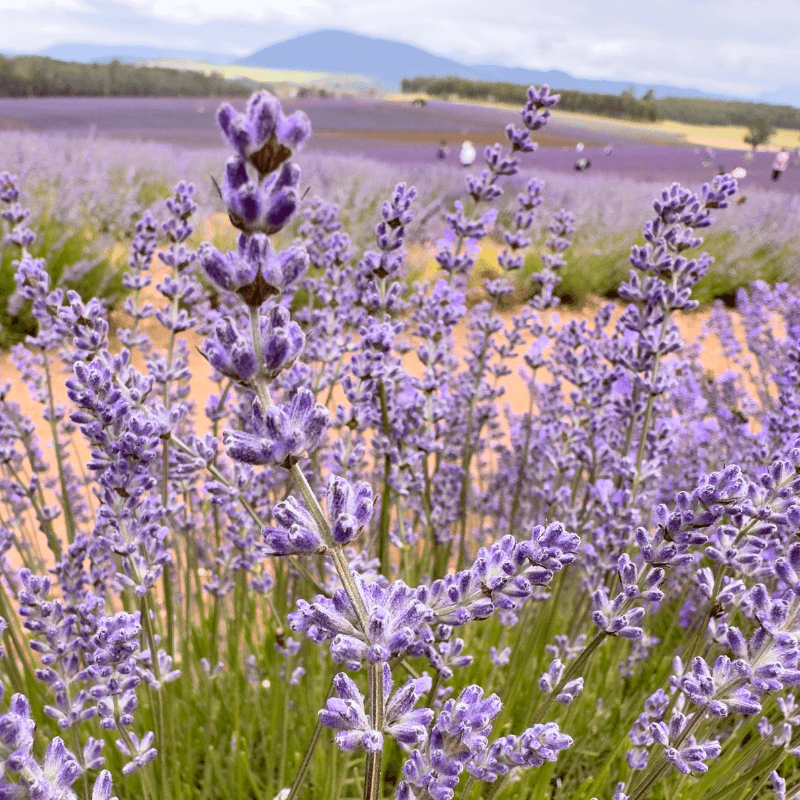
459 741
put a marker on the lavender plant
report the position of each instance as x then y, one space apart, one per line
355 568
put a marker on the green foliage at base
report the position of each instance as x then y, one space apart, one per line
597 270
98 276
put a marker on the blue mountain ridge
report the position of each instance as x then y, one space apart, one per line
390 61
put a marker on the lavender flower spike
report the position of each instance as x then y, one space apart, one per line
283 433
402 721
254 271
349 508
260 207
346 714
297 533
263 135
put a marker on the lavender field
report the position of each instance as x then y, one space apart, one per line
391 132
92 163
308 491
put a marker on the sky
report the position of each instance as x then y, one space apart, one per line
740 48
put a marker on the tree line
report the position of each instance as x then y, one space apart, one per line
648 108
38 76
703 111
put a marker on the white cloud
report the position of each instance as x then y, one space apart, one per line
43 5
198 11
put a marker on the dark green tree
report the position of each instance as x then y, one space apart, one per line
759 131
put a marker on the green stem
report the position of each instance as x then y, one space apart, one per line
66 502
372 778
79 755
467 788
386 496
306 762
523 456
45 525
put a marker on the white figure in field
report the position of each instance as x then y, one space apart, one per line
467 154
608 149
739 173
780 163
579 147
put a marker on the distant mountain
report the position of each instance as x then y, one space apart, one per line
102 54
390 61
786 95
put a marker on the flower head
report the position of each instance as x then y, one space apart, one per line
263 135
283 433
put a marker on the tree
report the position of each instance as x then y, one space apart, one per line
759 131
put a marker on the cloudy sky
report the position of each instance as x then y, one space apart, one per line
735 47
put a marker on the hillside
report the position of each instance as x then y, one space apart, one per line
390 61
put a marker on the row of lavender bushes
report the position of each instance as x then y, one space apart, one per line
352 569
86 195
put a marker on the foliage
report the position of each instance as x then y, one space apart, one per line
692 110
705 111
622 106
39 76
759 131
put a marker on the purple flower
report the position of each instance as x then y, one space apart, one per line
16 728
117 639
229 352
502 577
263 135
140 752
689 756
349 508
282 341
254 271
346 714
722 688
54 778
282 434
102 786
532 748
14 213
397 624
297 533
402 721
406 724
259 207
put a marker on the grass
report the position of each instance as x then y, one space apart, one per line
596 268
266 75
98 276
85 251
